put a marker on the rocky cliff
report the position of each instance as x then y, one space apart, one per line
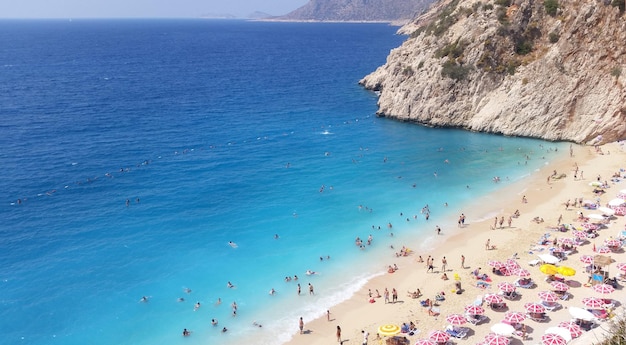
551 69
358 10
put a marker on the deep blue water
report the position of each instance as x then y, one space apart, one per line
214 131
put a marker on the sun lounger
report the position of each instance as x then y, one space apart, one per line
525 283
534 262
475 319
457 332
538 317
550 306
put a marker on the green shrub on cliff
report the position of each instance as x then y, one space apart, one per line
551 6
452 70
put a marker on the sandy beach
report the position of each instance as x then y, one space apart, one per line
546 199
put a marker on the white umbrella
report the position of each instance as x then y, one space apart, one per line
617 202
595 216
580 313
606 210
549 259
560 331
503 329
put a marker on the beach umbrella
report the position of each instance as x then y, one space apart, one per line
495 339
566 241
506 287
603 288
493 298
593 302
514 317
580 234
566 271
553 339
425 342
595 216
573 328
612 242
586 259
559 286
603 250
548 269
474 310
565 334
503 329
533 307
580 313
548 296
621 266
617 202
495 263
388 330
505 271
606 210
512 264
456 319
548 259
522 272
439 336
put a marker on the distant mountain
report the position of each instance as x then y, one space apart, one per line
259 15
358 10
218 16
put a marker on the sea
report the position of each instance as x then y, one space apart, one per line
157 172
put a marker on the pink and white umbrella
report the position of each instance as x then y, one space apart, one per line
593 302
548 296
612 242
495 263
559 286
512 264
589 226
573 328
566 241
586 259
506 287
621 266
493 298
425 342
603 288
522 272
514 317
456 319
603 250
439 336
533 307
580 235
474 310
495 339
553 339
505 271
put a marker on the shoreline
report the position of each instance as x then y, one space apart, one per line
544 200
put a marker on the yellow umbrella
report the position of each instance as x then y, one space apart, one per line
549 269
566 271
388 330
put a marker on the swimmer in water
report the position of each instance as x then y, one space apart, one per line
232 244
272 291
197 306
230 285
214 322
143 299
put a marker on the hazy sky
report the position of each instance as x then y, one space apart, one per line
141 8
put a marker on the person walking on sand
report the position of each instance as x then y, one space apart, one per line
501 221
488 244
301 325
462 261
338 334
328 315
394 295
444 264
386 294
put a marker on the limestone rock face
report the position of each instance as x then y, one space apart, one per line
519 67
358 10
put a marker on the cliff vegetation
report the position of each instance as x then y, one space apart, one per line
552 69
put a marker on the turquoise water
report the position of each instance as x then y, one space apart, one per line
211 131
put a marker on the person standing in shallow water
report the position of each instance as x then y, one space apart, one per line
301 325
